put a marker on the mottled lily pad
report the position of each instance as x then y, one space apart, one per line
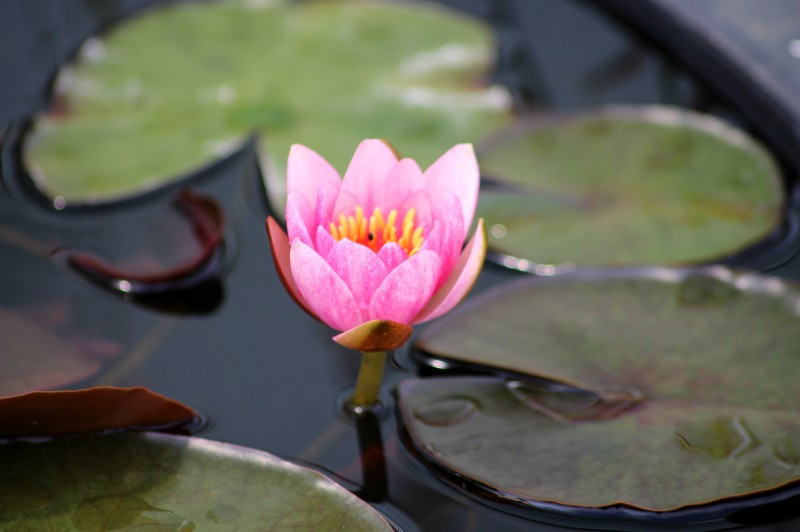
180 86
668 388
168 483
627 186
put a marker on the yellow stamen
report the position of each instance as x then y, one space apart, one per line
416 238
375 231
362 230
380 223
389 232
409 217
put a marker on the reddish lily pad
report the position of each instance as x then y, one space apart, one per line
627 186
55 413
162 482
208 224
669 388
33 358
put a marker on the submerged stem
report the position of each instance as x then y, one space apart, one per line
368 384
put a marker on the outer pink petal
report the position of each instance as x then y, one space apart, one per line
456 171
392 255
360 268
449 235
306 171
280 256
403 179
299 218
324 242
367 173
461 279
406 289
323 290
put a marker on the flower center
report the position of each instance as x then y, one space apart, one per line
376 230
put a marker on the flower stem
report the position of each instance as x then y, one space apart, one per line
368 384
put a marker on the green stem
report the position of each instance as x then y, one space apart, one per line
368 384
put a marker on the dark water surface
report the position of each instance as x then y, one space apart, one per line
236 347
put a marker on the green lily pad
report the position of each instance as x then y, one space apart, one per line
181 86
171 483
627 186
672 388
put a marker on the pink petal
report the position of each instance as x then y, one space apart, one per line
366 175
406 289
280 256
422 203
456 171
450 233
433 238
299 218
404 179
461 279
360 268
324 242
392 255
323 290
307 171
326 196
345 204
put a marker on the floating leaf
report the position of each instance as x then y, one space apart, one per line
674 388
207 220
622 186
54 413
33 358
183 85
170 483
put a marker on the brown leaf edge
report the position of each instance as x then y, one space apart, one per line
375 335
90 410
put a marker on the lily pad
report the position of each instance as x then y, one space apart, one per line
667 389
98 409
207 221
627 186
161 482
180 86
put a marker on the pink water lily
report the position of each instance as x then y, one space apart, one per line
381 249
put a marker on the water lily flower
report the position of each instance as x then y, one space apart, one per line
380 250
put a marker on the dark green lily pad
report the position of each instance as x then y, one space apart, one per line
626 186
181 86
681 389
171 483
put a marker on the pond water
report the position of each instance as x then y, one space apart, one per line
234 346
